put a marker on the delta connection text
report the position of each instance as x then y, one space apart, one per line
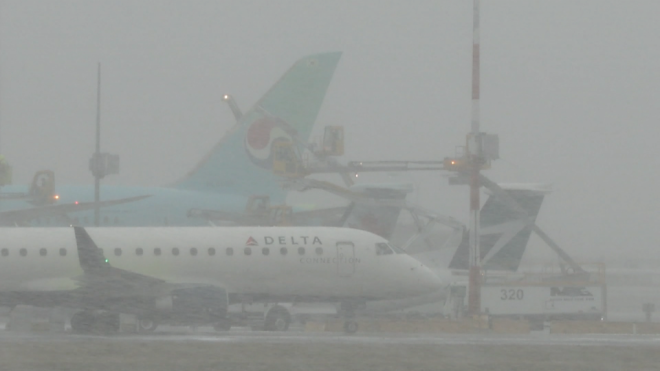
304 240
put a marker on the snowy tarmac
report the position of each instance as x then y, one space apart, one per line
241 349
242 336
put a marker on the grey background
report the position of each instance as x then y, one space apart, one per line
570 86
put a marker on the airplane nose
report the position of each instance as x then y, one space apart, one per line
431 281
426 280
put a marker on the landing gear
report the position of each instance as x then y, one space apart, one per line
82 322
147 323
222 326
347 310
277 319
88 322
350 327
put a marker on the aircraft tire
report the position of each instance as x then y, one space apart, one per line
350 327
147 324
277 319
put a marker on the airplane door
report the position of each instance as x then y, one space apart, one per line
345 259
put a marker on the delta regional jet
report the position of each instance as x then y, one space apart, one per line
155 272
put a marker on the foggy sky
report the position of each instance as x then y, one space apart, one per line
570 86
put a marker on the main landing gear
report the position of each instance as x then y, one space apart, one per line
89 322
277 319
147 323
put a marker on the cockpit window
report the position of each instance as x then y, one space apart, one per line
383 249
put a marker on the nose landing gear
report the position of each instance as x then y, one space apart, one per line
347 310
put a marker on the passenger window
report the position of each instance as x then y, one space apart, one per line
193 251
211 251
43 252
139 251
247 251
265 251
175 251
383 249
230 251
23 251
5 252
117 251
283 251
157 251
62 252
319 251
301 251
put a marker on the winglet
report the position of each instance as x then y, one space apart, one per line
90 256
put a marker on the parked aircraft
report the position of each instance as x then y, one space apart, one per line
238 167
159 272
504 236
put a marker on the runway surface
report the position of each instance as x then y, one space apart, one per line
245 350
240 336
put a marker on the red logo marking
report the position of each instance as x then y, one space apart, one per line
251 242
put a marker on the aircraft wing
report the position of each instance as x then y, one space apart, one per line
103 286
101 278
23 216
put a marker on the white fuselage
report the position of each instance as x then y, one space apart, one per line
296 262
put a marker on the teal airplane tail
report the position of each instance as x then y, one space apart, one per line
241 162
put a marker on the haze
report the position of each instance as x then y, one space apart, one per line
570 87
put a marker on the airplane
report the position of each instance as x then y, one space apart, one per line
158 272
239 165
504 237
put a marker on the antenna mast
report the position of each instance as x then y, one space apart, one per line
97 153
101 164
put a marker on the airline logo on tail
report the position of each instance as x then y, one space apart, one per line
504 234
241 162
260 137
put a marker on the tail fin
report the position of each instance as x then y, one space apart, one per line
504 234
241 162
